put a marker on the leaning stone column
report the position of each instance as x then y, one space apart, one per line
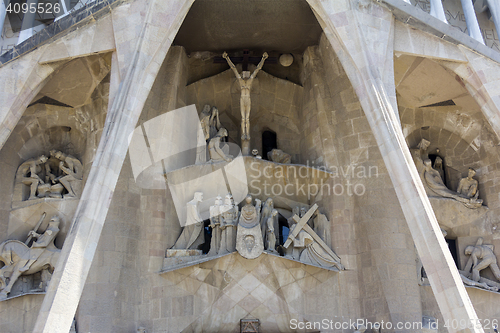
153 35
28 21
437 10
3 13
471 20
494 6
366 58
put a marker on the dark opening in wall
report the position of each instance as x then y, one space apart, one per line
452 245
439 165
269 142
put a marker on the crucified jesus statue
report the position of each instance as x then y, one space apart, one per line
245 80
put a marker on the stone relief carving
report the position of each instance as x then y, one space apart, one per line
249 242
279 156
481 257
215 222
307 246
192 234
58 176
270 232
21 259
433 179
210 122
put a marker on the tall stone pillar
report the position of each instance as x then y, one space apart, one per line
471 20
28 22
437 10
366 58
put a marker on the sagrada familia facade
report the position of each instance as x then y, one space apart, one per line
249 166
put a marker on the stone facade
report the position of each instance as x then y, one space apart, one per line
365 87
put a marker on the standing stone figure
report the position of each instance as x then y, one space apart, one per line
192 235
229 220
481 257
29 171
322 227
271 235
216 152
245 80
210 122
215 223
267 210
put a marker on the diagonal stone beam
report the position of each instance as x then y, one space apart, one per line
152 31
348 25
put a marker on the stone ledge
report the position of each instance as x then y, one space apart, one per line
71 22
419 19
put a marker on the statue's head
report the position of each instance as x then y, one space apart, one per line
439 161
269 202
428 163
469 249
206 109
245 74
472 172
302 211
274 213
228 199
255 152
222 132
248 200
218 200
42 159
214 109
249 242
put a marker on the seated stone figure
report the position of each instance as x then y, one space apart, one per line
468 186
19 259
29 173
435 183
249 242
72 169
216 152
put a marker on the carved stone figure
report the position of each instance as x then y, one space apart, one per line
73 170
216 152
19 259
322 227
228 224
210 122
249 241
245 80
49 177
192 235
279 156
308 247
215 223
29 171
435 183
468 186
265 214
481 257
270 232
438 166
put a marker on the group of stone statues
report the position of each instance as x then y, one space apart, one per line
21 259
55 176
255 229
467 191
213 133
